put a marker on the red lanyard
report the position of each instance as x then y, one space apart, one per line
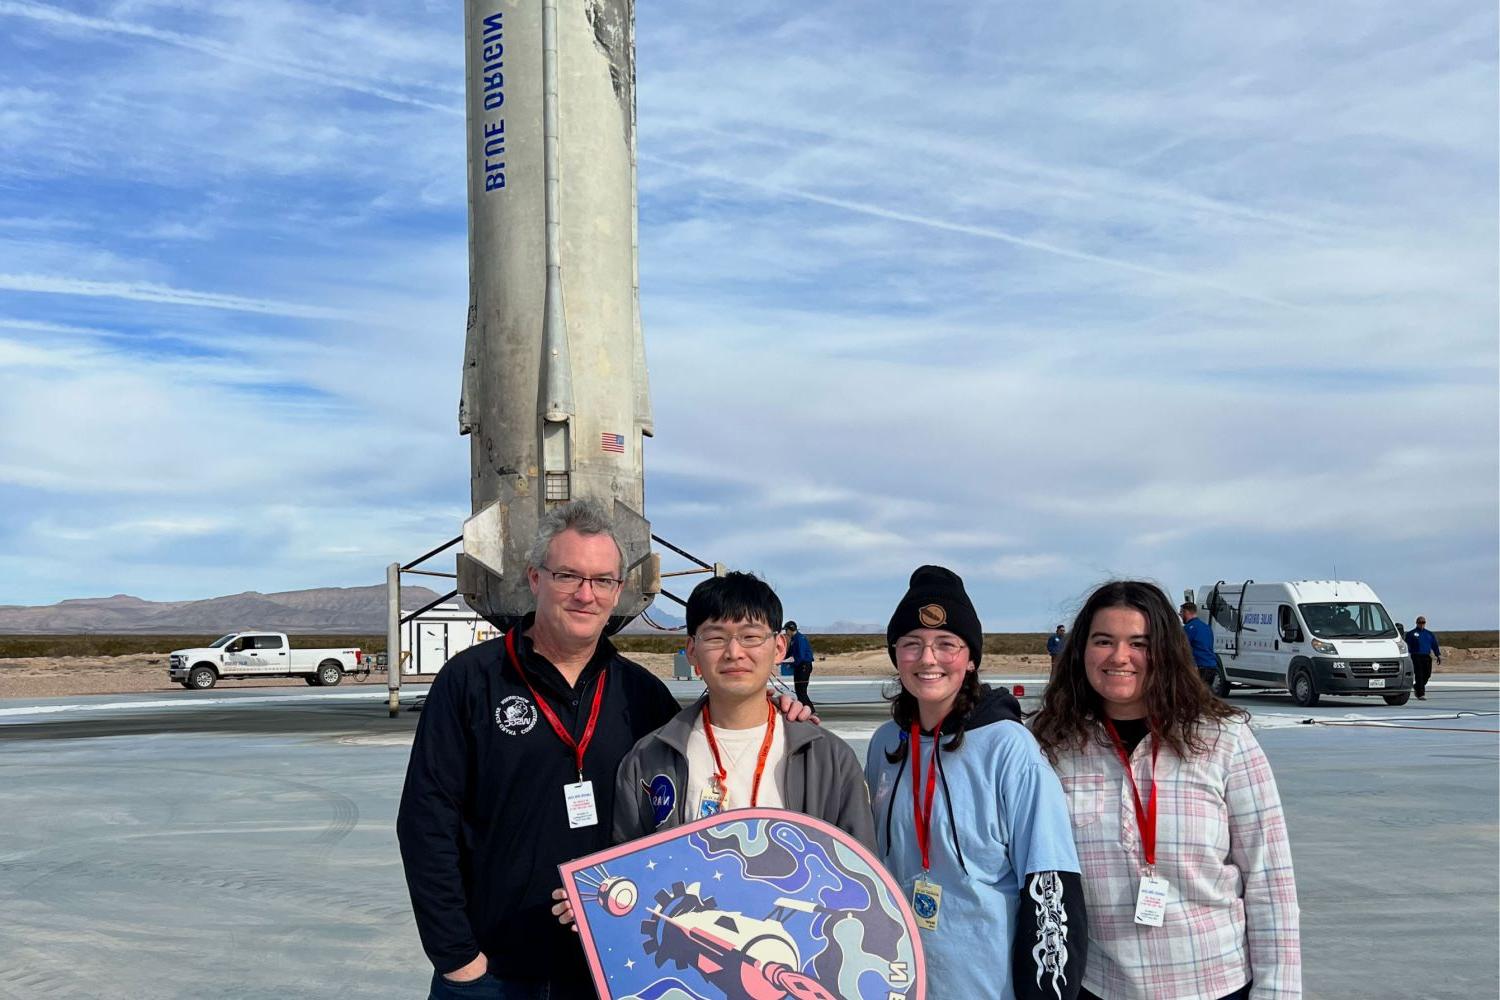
922 812
578 748
760 761
1145 817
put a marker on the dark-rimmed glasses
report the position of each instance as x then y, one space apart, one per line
572 583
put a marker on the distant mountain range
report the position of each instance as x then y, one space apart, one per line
666 620
325 609
842 627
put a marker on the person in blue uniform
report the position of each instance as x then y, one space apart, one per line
799 653
1200 637
1055 643
1423 647
969 817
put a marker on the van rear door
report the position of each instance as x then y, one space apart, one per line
1223 611
1260 657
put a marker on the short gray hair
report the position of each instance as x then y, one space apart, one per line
587 517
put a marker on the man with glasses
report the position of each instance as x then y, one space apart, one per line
512 772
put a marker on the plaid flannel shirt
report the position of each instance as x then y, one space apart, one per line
1221 844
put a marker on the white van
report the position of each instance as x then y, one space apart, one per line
1310 637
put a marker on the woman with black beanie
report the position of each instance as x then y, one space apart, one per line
969 817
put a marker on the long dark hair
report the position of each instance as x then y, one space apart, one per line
1177 701
904 711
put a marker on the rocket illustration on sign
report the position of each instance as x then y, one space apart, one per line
554 399
753 904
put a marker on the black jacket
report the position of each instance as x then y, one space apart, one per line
482 823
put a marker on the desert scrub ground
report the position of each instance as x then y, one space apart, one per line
53 676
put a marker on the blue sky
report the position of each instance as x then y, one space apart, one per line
1044 292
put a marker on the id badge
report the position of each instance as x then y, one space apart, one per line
711 804
579 799
1151 901
926 900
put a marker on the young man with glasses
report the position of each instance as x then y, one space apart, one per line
730 750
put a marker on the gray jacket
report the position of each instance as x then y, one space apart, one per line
823 779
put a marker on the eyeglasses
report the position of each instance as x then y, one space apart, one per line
572 583
717 643
943 650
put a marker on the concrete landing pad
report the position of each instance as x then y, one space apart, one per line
241 845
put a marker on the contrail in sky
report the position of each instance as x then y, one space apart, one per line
143 292
984 232
67 19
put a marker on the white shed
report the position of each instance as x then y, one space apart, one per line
440 633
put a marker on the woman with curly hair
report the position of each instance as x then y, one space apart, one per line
968 816
1187 870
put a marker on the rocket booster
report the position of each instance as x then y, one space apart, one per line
555 398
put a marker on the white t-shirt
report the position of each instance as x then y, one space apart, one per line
738 749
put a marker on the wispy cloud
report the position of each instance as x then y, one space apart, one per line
56 17
966 229
60 285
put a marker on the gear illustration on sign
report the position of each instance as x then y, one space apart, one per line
662 942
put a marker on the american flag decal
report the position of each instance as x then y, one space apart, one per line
613 442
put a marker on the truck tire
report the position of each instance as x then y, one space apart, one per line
1397 699
1221 681
330 672
202 678
312 681
1304 688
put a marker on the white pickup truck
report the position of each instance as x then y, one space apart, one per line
260 654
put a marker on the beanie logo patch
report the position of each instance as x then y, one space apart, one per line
932 615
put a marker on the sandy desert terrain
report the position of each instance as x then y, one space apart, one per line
62 676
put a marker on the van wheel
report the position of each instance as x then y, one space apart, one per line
1221 682
330 673
1304 691
202 678
1397 699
